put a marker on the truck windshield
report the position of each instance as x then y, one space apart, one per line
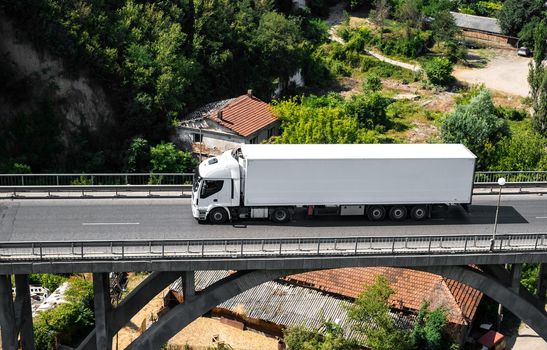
196 180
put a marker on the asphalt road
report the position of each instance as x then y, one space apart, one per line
157 218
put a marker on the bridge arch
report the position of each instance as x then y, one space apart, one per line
516 300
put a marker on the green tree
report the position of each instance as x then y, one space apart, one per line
165 158
47 280
304 123
330 336
138 156
524 150
369 109
529 277
68 323
428 332
446 33
537 78
477 126
409 13
516 13
372 318
439 70
379 14
278 39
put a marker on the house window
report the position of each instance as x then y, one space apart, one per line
254 140
271 132
198 137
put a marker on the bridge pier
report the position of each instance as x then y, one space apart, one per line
131 304
541 289
103 309
15 315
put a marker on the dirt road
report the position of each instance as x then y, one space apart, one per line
505 72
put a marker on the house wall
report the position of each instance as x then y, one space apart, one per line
492 40
217 138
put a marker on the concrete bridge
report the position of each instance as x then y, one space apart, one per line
257 261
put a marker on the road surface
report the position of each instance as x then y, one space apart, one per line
107 219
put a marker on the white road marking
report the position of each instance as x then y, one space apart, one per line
541 217
108 223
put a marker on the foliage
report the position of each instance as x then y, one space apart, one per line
439 70
411 45
373 83
380 13
165 158
138 156
302 123
428 330
47 280
524 150
477 126
330 336
529 277
369 110
69 322
446 33
158 59
537 78
370 311
514 14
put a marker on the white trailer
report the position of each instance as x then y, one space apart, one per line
377 180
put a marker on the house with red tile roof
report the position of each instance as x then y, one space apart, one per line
411 289
310 298
222 125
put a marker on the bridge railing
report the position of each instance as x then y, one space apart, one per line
285 247
111 179
518 177
98 179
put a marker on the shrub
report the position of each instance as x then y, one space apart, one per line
477 126
439 70
372 84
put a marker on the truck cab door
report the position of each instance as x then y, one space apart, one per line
216 193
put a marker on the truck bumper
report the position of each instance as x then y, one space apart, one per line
199 214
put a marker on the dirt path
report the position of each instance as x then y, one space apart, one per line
505 72
336 15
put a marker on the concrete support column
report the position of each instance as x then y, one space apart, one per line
542 284
23 312
103 308
516 271
188 284
7 315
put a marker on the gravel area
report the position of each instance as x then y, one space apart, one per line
505 72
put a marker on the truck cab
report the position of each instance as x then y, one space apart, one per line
216 188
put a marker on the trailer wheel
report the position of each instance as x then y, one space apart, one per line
398 213
280 215
376 213
218 216
418 212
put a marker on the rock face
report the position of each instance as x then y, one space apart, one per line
80 101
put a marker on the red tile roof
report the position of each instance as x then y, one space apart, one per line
244 115
411 288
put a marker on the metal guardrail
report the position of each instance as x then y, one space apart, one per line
511 177
180 182
268 248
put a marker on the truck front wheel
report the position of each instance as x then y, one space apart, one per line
376 213
218 216
280 215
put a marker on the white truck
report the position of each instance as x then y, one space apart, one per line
376 180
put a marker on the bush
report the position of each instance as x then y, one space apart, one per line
439 70
523 151
477 126
47 280
165 158
511 113
372 84
369 110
